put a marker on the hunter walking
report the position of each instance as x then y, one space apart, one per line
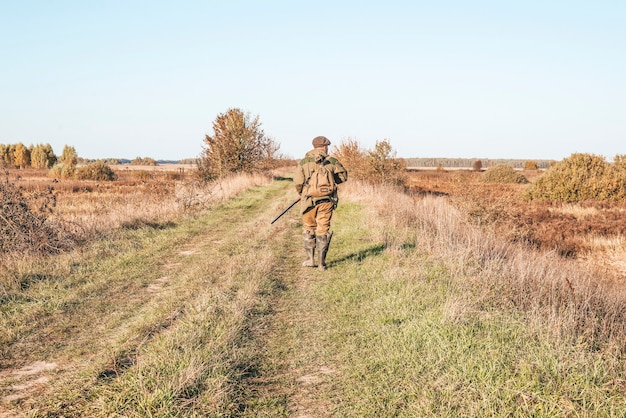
316 181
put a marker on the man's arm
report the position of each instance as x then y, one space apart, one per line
340 172
298 179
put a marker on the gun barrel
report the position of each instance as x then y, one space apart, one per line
285 211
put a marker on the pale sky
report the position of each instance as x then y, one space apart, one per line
439 78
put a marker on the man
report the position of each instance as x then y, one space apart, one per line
318 200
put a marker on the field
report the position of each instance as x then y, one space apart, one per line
590 230
451 298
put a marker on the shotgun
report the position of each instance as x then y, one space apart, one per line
296 201
285 211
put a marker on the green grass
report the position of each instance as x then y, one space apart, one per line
399 351
213 316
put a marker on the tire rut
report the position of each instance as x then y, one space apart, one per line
291 372
220 237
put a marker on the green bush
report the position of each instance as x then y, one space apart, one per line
96 171
503 174
62 170
582 177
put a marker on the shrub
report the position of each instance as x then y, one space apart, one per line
353 158
238 145
477 166
383 165
63 171
27 223
378 166
96 171
582 177
503 174
143 161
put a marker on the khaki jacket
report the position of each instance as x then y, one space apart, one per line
306 166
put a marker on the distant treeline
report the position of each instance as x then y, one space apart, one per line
470 162
144 161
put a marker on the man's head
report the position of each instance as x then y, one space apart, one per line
320 142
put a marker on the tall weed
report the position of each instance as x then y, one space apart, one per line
573 299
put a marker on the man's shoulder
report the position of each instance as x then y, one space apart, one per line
335 161
310 157
306 160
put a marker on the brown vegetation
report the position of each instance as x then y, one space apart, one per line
576 299
503 174
238 144
379 165
27 224
571 230
44 215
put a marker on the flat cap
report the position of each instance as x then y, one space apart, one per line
320 141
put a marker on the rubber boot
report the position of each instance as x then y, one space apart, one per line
323 242
309 247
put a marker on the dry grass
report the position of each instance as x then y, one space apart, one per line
96 206
576 299
422 313
84 210
566 228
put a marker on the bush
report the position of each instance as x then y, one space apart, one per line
503 174
143 161
63 171
353 158
27 224
96 171
582 177
378 166
238 145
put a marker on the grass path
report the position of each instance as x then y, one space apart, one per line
95 334
214 316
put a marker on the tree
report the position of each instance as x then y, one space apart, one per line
353 158
21 156
66 166
69 157
42 156
6 157
238 144
383 165
477 166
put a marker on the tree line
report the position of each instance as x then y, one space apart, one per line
238 144
20 156
471 162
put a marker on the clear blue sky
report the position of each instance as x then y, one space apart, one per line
448 78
